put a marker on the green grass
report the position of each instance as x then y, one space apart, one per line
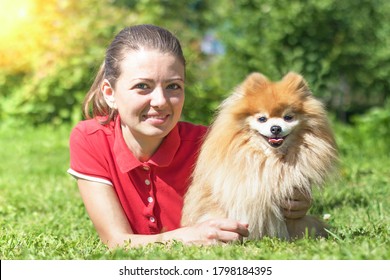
42 215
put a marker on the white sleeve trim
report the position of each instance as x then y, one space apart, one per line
78 175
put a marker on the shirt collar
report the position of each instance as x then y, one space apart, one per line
162 157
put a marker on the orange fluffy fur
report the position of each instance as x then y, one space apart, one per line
240 175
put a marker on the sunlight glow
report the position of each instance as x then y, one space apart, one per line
36 34
13 13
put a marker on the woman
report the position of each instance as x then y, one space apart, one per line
132 158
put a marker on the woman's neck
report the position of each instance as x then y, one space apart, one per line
143 147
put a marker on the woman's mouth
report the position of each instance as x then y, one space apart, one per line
155 119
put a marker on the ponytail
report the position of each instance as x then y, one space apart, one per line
94 104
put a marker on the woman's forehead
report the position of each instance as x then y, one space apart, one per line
149 63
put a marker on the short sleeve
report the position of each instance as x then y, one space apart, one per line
87 155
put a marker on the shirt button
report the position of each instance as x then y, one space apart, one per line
150 199
147 182
146 168
152 219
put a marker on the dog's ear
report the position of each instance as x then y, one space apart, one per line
296 83
254 82
256 78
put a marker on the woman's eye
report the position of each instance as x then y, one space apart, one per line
288 118
141 86
173 86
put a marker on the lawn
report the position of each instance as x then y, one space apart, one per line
42 215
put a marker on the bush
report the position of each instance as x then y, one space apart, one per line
372 131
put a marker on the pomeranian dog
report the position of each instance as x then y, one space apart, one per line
268 139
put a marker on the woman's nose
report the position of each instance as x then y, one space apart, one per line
158 98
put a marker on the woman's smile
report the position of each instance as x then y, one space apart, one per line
155 118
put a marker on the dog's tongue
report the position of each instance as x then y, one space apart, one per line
275 140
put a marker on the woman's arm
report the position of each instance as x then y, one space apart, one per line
105 211
109 219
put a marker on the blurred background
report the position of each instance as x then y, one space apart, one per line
50 51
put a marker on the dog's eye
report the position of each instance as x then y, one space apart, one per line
262 119
288 118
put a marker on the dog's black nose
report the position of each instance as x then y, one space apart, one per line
276 129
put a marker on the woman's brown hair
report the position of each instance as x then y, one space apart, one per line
131 38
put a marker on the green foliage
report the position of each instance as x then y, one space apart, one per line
53 98
375 126
340 47
42 215
369 132
203 93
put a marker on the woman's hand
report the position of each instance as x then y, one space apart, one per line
296 206
214 231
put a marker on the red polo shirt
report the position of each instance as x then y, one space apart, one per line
151 193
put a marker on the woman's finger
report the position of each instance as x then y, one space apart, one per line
231 226
294 214
296 205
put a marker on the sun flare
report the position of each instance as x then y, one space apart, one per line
13 13
16 17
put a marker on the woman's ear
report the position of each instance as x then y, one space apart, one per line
108 93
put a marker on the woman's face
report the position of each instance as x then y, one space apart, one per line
149 94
